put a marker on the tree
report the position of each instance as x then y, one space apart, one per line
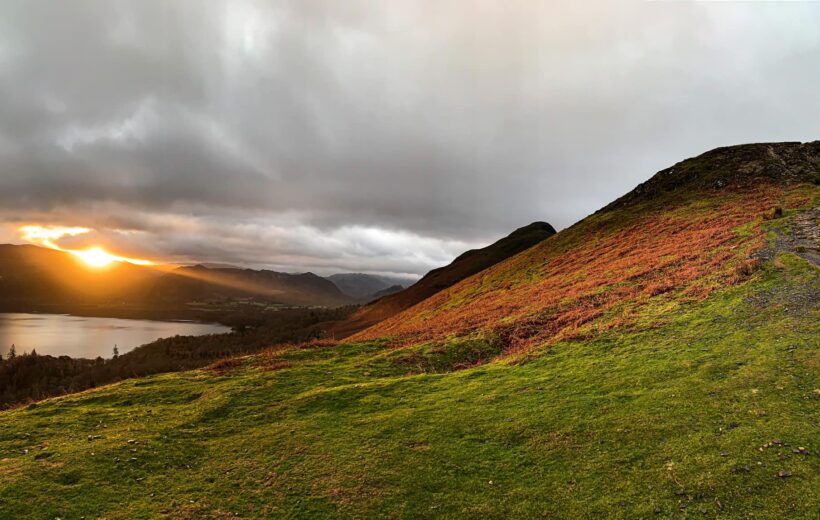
116 351
12 352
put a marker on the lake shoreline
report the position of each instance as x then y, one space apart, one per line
90 337
124 311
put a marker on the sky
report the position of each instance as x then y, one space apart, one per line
372 136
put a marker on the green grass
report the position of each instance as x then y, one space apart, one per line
669 418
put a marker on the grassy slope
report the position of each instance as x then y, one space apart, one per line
602 272
467 264
661 417
687 231
640 362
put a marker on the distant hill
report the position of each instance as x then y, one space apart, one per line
393 289
467 264
36 278
365 287
200 283
31 275
677 232
215 265
658 359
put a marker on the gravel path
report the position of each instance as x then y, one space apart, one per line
803 240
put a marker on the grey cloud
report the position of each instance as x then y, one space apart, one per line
380 136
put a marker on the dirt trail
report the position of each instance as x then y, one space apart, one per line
804 240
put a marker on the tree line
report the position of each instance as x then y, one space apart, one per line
25 378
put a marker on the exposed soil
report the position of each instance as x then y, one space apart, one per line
802 240
805 238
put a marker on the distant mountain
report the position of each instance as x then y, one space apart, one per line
393 289
32 276
36 278
200 283
215 265
467 264
658 355
364 287
701 224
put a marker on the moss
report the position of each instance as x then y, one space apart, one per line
683 416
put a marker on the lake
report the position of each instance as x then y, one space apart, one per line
82 337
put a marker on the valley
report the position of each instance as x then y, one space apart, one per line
658 358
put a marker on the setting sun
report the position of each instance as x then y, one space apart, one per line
97 257
94 256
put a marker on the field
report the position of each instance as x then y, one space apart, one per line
712 413
659 359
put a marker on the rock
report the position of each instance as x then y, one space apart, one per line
658 510
784 473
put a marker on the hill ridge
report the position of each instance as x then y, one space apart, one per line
693 206
463 266
654 360
732 165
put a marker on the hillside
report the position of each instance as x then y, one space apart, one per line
657 359
199 283
364 287
36 278
465 265
393 289
32 276
676 234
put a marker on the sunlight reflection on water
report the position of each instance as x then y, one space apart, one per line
78 336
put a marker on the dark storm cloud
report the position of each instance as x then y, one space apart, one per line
380 136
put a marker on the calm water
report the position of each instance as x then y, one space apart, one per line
77 336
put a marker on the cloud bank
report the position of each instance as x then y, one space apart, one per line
373 136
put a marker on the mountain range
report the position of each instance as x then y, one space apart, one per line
37 278
658 359
366 287
465 265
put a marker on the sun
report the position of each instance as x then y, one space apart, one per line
47 236
95 257
99 257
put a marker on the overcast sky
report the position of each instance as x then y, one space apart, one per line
383 136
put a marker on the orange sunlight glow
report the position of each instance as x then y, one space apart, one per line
47 236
